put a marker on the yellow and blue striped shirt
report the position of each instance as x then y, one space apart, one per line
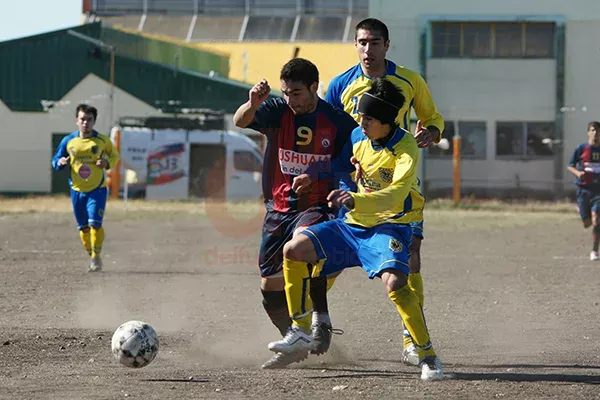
346 89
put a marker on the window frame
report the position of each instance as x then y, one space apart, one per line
437 27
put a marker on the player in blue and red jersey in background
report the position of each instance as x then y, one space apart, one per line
585 165
301 129
89 154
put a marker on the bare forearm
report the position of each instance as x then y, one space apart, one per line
574 171
244 115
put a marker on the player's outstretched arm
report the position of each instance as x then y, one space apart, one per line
244 115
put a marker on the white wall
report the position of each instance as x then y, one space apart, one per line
582 88
27 136
505 90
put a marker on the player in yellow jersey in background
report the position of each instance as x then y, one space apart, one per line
376 232
89 154
345 91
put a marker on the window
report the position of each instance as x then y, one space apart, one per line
477 40
492 39
246 161
473 140
525 139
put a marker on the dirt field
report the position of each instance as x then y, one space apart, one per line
511 301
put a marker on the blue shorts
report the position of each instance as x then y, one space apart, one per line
588 201
89 207
382 247
417 227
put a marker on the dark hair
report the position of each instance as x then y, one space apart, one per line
595 124
87 109
300 70
373 25
387 91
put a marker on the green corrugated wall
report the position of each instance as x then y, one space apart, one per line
47 66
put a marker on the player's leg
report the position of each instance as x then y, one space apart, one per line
78 200
317 251
385 253
277 229
595 210
584 205
321 327
96 204
415 282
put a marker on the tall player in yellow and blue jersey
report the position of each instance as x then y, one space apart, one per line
375 233
89 154
345 91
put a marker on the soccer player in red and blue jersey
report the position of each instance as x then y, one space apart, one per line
89 154
585 165
301 129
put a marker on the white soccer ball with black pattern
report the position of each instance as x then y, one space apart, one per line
135 344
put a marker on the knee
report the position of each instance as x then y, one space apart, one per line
395 280
85 229
275 284
297 249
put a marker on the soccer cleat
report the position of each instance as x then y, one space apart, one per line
431 368
295 340
594 256
281 360
410 356
95 264
321 331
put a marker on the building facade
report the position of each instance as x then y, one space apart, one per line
517 80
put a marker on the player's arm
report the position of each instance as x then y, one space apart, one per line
338 169
245 115
426 110
113 155
61 157
333 95
389 198
575 159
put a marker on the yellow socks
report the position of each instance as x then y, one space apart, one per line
415 281
330 282
411 312
86 240
97 235
297 289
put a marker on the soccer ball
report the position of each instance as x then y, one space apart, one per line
135 344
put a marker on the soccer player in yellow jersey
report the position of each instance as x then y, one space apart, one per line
375 234
345 91
89 154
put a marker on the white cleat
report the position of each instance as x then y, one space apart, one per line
410 356
95 264
281 360
431 369
295 340
594 256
